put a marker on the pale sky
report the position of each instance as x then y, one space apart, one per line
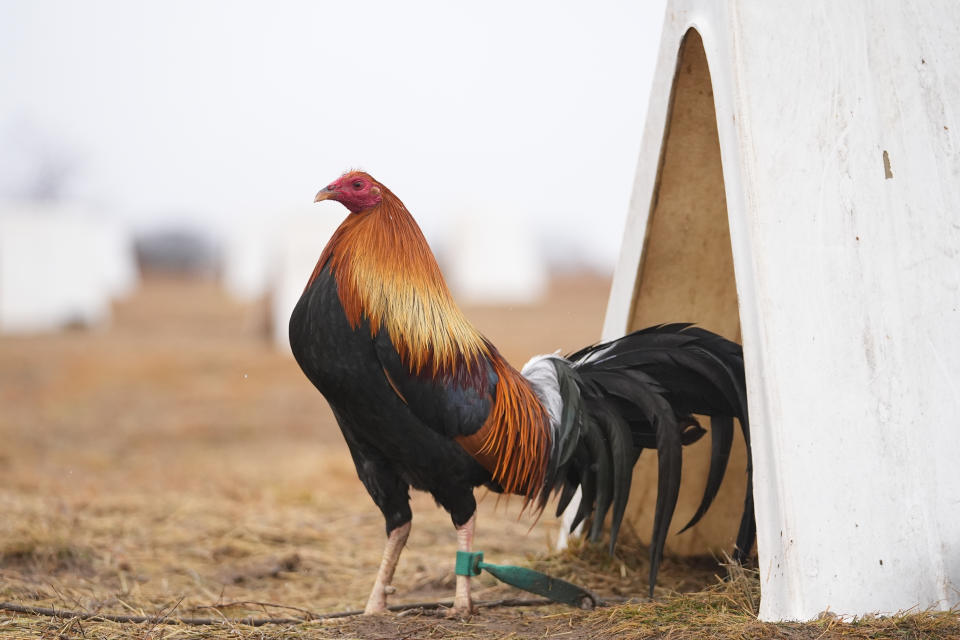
220 112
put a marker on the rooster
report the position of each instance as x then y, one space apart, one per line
425 401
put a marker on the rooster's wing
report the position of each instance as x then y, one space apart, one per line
452 405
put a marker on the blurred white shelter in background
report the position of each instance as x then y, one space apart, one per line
493 259
60 266
297 246
274 257
799 184
248 257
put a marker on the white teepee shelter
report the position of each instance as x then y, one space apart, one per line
248 258
61 266
492 258
803 159
275 259
298 247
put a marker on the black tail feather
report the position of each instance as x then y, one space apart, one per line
748 530
588 487
721 441
669 461
641 391
600 454
618 433
567 492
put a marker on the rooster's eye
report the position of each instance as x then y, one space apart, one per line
357 184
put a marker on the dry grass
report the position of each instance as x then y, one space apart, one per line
177 465
725 609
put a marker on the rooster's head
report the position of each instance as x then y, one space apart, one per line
355 190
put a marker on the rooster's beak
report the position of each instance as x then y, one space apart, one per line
324 194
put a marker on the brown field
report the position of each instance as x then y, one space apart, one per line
177 465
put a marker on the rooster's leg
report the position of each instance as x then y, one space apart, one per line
462 603
377 603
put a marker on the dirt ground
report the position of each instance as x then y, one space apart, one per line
178 464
